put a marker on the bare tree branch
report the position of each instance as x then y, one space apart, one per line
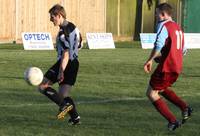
150 3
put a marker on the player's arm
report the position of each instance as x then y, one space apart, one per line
149 62
63 64
64 58
80 45
162 35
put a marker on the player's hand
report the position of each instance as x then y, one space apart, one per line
60 77
80 45
148 66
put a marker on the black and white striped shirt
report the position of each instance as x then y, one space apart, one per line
68 38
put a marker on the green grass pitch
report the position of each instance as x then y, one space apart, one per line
110 94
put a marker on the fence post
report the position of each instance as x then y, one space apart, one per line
16 20
118 18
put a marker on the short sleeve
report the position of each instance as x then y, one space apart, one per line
162 35
64 41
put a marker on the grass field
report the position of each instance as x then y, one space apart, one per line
110 95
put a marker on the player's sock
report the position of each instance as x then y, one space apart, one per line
53 95
162 107
73 113
172 97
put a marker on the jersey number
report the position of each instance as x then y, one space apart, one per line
179 37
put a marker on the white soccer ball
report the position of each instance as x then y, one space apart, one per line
33 76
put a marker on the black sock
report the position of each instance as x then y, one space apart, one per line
73 113
53 95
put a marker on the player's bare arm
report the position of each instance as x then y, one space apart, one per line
158 58
148 64
63 65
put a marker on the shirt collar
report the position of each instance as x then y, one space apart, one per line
65 22
165 20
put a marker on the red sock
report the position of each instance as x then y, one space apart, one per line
172 97
162 107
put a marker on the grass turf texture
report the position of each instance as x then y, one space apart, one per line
110 95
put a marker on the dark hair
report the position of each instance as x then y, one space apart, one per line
58 9
165 8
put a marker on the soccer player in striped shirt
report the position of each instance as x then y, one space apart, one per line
64 71
170 44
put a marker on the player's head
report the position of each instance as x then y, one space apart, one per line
164 11
57 14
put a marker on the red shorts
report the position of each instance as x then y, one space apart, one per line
162 80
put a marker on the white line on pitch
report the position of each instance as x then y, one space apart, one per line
78 102
88 102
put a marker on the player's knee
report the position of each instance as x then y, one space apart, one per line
149 94
152 95
42 87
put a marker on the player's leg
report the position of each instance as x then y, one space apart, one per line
50 77
46 89
65 107
68 105
70 75
160 104
156 85
158 82
170 95
162 108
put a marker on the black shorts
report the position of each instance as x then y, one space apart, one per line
70 72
